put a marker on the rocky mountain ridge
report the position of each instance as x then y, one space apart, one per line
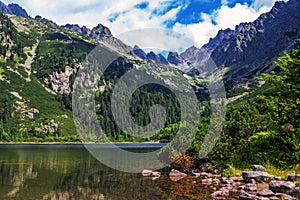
247 51
13 9
252 47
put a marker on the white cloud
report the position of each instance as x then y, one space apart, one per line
157 39
92 12
224 18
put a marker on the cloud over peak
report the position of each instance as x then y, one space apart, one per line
197 19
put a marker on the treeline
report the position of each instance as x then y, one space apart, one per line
263 127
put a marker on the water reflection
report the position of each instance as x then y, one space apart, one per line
64 173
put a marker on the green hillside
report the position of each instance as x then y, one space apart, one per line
40 60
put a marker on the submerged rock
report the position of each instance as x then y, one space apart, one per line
146 172
155 174
176 175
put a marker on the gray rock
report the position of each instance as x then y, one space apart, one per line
281 186
220 194
295 192
205 175
250 187
196 174
246 196
146 172
292 177
216 181
235 179
258 168
274 198
266 193
284 196
256 175
155 174
242 187
223 179
207 181
176 173
252 181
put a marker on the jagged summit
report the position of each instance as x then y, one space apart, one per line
100 32
13 9
18 10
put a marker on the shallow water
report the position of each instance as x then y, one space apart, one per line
70 172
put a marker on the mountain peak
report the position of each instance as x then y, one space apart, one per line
13 9
100 32
18 10
76 28
174 58
139 52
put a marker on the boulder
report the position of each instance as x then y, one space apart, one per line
256 175
216 181
293 177
258 168
236 179
155 174
266 193
246 196
250 187
146 172
284 196
205 175
223 179
295 192
176 173
196 174
281 186
220 194
207 181
274 198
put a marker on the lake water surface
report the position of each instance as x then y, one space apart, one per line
70 172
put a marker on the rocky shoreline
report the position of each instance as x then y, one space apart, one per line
252 185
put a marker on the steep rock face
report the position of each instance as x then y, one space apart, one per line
216 41
139 52
157 58
18 10
13 9
257 43
76 28
175 59
4 8
251 48
100 32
